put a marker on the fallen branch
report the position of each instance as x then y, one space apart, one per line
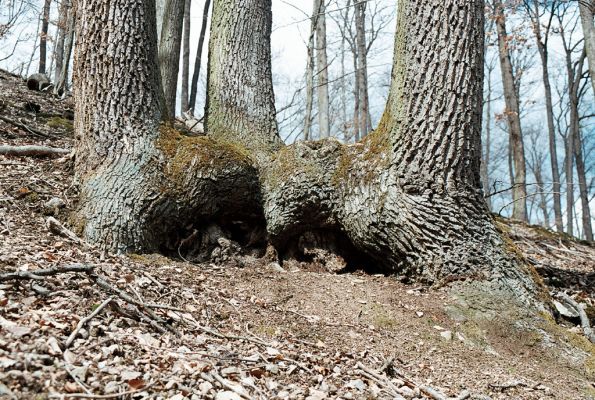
27 128
580 309
99 396
33 151
83 321
41 273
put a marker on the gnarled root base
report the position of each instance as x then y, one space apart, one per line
317 199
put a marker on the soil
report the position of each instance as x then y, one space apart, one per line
267 332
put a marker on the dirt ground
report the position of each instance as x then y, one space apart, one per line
219 331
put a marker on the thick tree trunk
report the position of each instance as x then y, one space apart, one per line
587 11
240 101
408 196
198 60
519 191
169 51
322 73
186 57
43 35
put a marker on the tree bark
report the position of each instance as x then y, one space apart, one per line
362 70
198 60
240 100
310 71
542 47
62 32
186 57
587 11
62 82
322 73
519 191
43 36
408 196
169 51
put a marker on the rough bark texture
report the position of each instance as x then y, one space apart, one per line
198 60
62 32
169 51
240 101
513 116
408 196
186 57
139 179
322 73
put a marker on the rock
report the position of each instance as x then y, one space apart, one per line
205 387
419 314
227 395
357 384
316 395
80 373
38 82
446 335
53 206
565 311
276 267
230 371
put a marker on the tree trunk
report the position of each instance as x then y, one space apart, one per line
322 73
186 57
59 47
587 10
583 187
169 51
310 71
362 70
62 82
43 36
198 60
542 47
159 14
519 191
408 196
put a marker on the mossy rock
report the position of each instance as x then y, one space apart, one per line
62 124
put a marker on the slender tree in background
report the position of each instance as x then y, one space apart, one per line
184 107
310 70
535 14
61 85
198 60
587 13
362 67
169 51
61 38
489 67
43 35
512 112
322 72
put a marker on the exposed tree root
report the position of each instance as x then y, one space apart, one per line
33 151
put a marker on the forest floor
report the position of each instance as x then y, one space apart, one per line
177 330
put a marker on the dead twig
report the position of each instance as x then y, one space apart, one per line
580 309
83 321
27 128
41 273
57 228
99 396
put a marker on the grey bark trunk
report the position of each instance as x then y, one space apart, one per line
485 162
362 70
169 51
43 35
519 191
542 47
198 60
185 58
240 100
62 83
59 47
587 9
408 196
322 73
310 71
